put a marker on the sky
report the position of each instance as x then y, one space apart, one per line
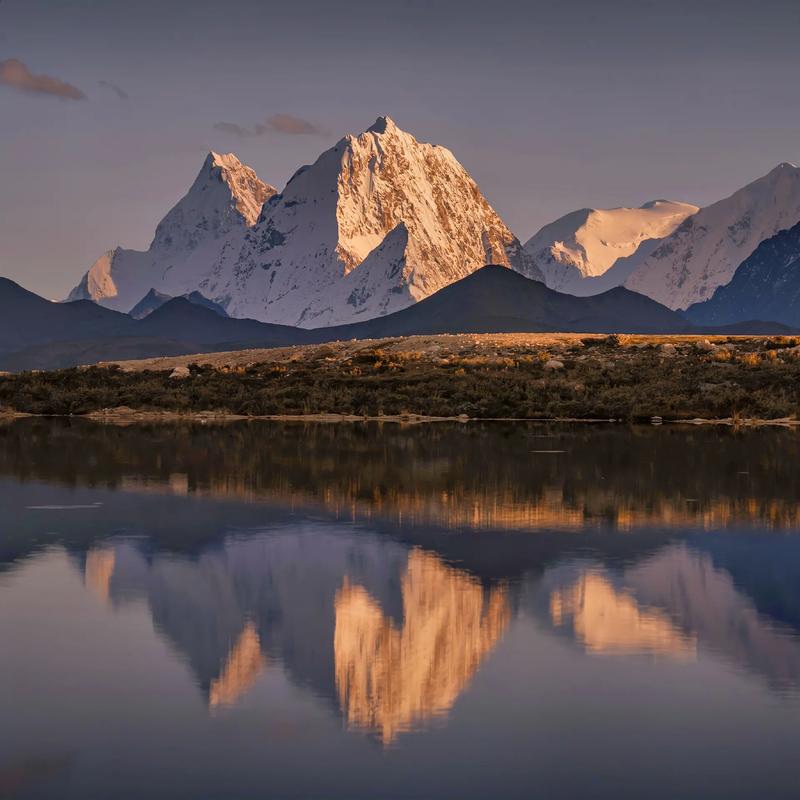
108 108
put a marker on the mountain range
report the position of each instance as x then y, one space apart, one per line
376 223
704 251
384 235
381 221
673 252
38 334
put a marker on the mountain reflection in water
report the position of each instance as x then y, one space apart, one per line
669 605
358 590
387 678
224 609
608 620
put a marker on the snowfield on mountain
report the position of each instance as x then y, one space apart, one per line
587 243
704 251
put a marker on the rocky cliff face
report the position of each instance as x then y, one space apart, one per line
378 222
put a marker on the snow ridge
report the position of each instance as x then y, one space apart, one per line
704 251
222 203
587 243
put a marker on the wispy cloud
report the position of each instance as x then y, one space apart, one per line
233 129
120 93
14 73
284 124
292 126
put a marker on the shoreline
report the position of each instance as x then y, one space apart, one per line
144 416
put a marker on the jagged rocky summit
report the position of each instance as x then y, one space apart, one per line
378 222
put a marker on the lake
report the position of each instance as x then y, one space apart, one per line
297 610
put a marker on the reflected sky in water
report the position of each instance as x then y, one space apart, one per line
425 611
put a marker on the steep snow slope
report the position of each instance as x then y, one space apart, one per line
223 202
586 243
766 286
705 250
378 222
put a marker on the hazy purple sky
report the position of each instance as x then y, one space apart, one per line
551 106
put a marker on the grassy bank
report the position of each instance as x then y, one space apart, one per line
628 378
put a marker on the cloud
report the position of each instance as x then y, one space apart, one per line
120 93
232 128
291 126
14 73
284 124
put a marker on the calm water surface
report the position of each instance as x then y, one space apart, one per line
326 611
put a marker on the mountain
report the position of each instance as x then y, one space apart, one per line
28 320
378 222
222 204
704 251
38 334
765 286
498 300
149 303
153 300
204 327
493 299
587 243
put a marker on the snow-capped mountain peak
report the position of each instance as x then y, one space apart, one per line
247 189
225 193
704 251
223 202
378 221
588 242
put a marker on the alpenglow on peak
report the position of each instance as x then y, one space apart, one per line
376 223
